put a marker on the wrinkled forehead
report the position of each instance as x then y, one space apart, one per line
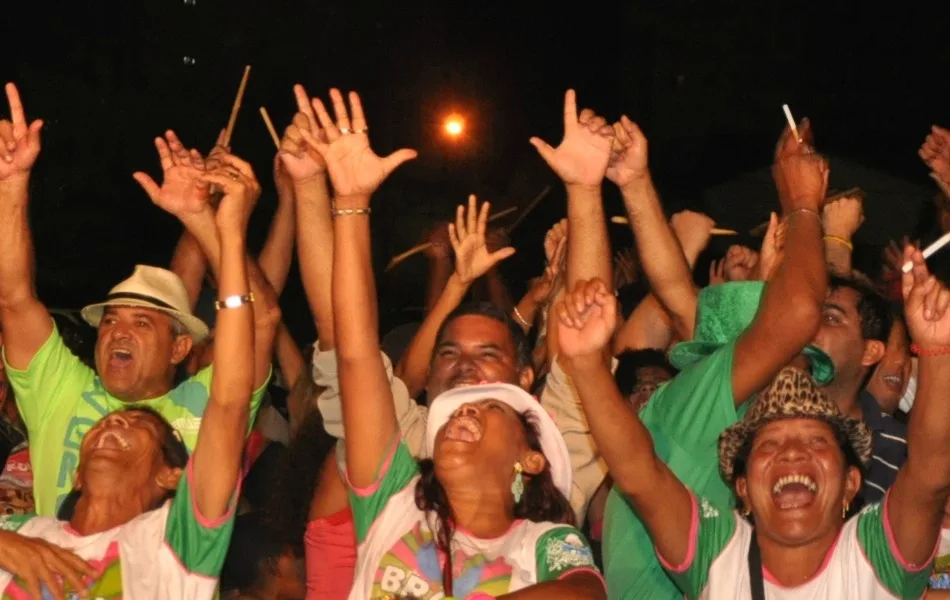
477 331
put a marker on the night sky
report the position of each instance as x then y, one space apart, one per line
706 80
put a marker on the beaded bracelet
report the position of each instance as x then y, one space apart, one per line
933 351
345 212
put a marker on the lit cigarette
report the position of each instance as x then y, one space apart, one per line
929 251
791 121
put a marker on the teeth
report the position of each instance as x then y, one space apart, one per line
110 434
789 479
119 353
893 380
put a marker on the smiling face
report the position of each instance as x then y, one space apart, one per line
137 351
474 349
796 481
125 448
484 440
890 378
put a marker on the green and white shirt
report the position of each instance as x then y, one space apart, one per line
170 553
397 556
864 563
60 399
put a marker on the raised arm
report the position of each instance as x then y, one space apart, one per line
307 169
662 258
356 172
587 317
278 250
841 219
790 309
180 194
26 324
915 503
581 161
216 461
472 260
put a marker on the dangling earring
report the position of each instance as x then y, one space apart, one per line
845 505
746 511
517 486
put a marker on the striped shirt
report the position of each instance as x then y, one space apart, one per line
888 449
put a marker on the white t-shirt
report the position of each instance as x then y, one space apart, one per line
397 555
863 564
171 553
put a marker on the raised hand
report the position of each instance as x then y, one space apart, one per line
545 285
582 157
717 272
236 179
552 239
773 245
628 156
587 318
183 191
301 161
355 170
19 142
843 217
740 263
467 234
801 175
925 304
935 152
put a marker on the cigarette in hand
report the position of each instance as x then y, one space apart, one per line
928 251
791 121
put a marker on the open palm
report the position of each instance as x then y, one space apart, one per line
355 170
182 191
583 154
472 256
926 302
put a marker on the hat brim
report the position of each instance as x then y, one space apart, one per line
735 437
686 354
92 314
552 442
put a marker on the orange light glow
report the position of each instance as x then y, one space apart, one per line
454 126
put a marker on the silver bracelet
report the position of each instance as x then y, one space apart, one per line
521 320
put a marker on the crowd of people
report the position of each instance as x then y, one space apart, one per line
627 429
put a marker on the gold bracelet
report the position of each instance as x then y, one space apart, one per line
521 320
810 211
346 212
844 242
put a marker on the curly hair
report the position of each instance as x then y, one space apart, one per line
542 500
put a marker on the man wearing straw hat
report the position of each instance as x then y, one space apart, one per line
145 330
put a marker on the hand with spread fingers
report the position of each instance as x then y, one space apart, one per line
43 567
183 191
926 301
587 318
236 179
582 156
628 156
301 161
355 170
472 256
19 141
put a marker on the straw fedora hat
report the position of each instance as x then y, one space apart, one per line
155 289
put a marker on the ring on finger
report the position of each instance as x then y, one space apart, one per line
346 130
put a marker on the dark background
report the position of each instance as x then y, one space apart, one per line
706 80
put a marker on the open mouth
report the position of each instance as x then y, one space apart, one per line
895 382
794 491
120 356
111 439
463 429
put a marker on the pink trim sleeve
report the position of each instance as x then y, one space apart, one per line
892 543
580 570
383 469
693 535
202 520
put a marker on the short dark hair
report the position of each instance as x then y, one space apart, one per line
174 453
873 309
628 362
253 552
486 309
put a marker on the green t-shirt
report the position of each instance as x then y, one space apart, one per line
685 417
863 563
60 399
397 556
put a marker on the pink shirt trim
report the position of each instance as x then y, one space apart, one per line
767 575
693 535
895 551
202 520
330 552
580 570
371 489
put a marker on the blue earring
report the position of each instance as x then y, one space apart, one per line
517 487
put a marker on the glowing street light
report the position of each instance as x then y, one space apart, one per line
454 126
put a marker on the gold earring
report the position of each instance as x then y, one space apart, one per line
746 511
845 505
